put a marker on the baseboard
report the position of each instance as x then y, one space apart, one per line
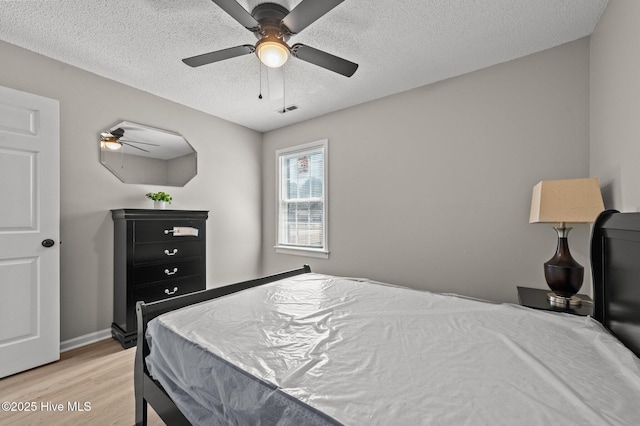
87 339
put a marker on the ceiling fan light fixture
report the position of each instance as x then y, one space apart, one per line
110 142
272 53
113 145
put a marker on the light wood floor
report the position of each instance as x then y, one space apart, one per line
100 374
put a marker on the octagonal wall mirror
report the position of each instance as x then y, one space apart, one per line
140 154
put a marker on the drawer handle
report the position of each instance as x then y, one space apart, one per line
166 290
168 272
173 253
183 231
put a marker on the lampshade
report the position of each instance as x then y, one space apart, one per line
272 53
566 200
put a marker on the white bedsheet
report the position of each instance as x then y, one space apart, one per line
366 353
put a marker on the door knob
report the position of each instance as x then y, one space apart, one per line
48 243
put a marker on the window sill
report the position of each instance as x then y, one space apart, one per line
296 251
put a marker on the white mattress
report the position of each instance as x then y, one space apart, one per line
366 353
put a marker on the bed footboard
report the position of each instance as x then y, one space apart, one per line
148 390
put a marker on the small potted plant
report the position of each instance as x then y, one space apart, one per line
160 199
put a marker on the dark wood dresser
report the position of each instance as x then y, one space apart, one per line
156 254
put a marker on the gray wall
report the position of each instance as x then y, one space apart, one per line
135 168
431 188
615 103
228 182
180 169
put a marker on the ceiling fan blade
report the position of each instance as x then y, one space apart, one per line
133 146
324 59
239 13
306 13
219 55
141 143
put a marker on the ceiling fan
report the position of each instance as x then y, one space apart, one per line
113 141
273 25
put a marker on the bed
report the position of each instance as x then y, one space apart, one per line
300 348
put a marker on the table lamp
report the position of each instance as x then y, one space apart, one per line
565 201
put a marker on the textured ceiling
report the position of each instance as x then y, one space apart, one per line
399 45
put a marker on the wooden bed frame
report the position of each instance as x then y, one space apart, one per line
615 260
615 264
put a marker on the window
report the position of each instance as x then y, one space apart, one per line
302 200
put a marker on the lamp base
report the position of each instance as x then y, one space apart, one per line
563 274
556 300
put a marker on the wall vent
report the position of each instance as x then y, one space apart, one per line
287 109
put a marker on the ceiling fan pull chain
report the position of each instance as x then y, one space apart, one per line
260 94
268 83
284 91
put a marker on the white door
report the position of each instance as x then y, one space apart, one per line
29 221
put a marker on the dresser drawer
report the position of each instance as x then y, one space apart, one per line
166 251
151 231
152 293
167 271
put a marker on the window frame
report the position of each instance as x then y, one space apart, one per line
280 246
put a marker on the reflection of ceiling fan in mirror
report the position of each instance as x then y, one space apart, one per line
113 140
140 154
273 25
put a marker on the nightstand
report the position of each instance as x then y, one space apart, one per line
537 298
